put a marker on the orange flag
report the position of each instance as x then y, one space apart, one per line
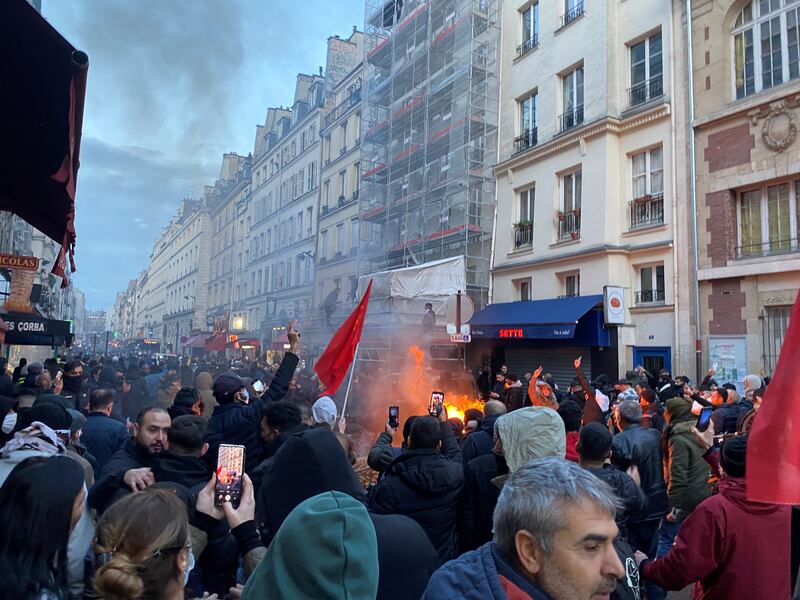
773 449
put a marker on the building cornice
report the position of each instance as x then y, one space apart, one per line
606 125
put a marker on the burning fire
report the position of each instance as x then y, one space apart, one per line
460 405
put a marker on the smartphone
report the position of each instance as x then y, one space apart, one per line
230 467
437 403
394 417
258 386
59 375
704 418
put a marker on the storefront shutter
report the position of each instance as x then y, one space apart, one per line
557 361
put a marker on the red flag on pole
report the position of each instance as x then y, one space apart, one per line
333 364
773 451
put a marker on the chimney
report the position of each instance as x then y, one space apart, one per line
355 28
320 71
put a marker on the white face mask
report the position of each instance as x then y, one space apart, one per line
189 568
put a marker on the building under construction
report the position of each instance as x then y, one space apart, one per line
429 139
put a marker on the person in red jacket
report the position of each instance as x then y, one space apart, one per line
730 546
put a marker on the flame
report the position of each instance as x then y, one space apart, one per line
458 407
419 375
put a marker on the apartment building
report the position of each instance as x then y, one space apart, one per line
283 211
586 189
746 77
338 225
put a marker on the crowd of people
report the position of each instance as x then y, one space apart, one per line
109 469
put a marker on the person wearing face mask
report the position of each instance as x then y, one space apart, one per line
75 391
237 419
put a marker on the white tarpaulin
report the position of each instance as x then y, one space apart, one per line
432 281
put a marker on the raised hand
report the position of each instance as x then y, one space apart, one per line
577 362
537 372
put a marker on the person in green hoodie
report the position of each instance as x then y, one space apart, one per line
686 473
326 548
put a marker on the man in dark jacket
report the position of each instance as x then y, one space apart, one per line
382 452
181 462
312 462
74 388
138 396
425 484
554 533
102 435
237 423
128 470
642 447
726 416
481 442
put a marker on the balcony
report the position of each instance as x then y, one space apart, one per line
646 211
569 295
571 118
569 16
650 296
528 45
523 234
528 139
569 225
768 248
645 91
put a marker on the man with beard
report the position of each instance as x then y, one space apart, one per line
128 470
74 389
554 532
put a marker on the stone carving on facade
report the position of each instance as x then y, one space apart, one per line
778 131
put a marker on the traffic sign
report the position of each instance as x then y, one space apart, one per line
461 338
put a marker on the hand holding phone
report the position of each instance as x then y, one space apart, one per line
394 417
704 418
437 404
230 468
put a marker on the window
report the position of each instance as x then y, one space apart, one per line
768 220
525 290
356 179
774 323
766 42
572 285
569 219
646 70
523 228
572 98
311 168
651 284
342 185
323 244
339 239
353 234
572 10
528 122
326 192
530 29
648 173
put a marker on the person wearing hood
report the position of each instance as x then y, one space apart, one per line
652 411
531 432
382 452
310 463
730 547
323 412
181 462
167 390
204 382
344 565
482 441
541 393
424 483
686 476
514 397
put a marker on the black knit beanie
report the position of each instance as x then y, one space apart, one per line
732 455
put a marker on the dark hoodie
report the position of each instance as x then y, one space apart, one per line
425 485
312 462
732 547
190 471
479 443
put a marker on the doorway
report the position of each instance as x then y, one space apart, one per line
653 358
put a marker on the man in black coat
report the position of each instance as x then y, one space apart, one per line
312 462
479 499
74 388
181 462
128 470
642 447
482 441
102 435
233 421
425 484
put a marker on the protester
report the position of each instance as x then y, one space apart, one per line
137 398
554 533
204 382
102 435
41 503
19 370
343 566
181 461
730 546
128 470
571 413
532 432
424 483
167 390
641 446
481 442
142 548
382 452
652 410
323 413
726 416
187 402
595 402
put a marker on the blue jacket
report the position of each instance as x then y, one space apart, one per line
103 436
239 423
476 576
479 443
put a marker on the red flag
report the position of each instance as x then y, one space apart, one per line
773 451
338 356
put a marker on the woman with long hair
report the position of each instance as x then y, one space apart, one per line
41 501
142 548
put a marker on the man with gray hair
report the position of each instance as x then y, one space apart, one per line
554 532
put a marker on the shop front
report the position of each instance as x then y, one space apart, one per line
33 337
548 333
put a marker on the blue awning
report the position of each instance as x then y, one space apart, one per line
560 318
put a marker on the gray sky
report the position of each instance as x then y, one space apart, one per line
172 85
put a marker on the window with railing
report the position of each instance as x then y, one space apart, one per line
572 285
768 220
528 122
572 99
572 10
530 29
647 206
569 217
523 228
651 281
766 44
646 70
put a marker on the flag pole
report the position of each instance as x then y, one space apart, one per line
350 380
